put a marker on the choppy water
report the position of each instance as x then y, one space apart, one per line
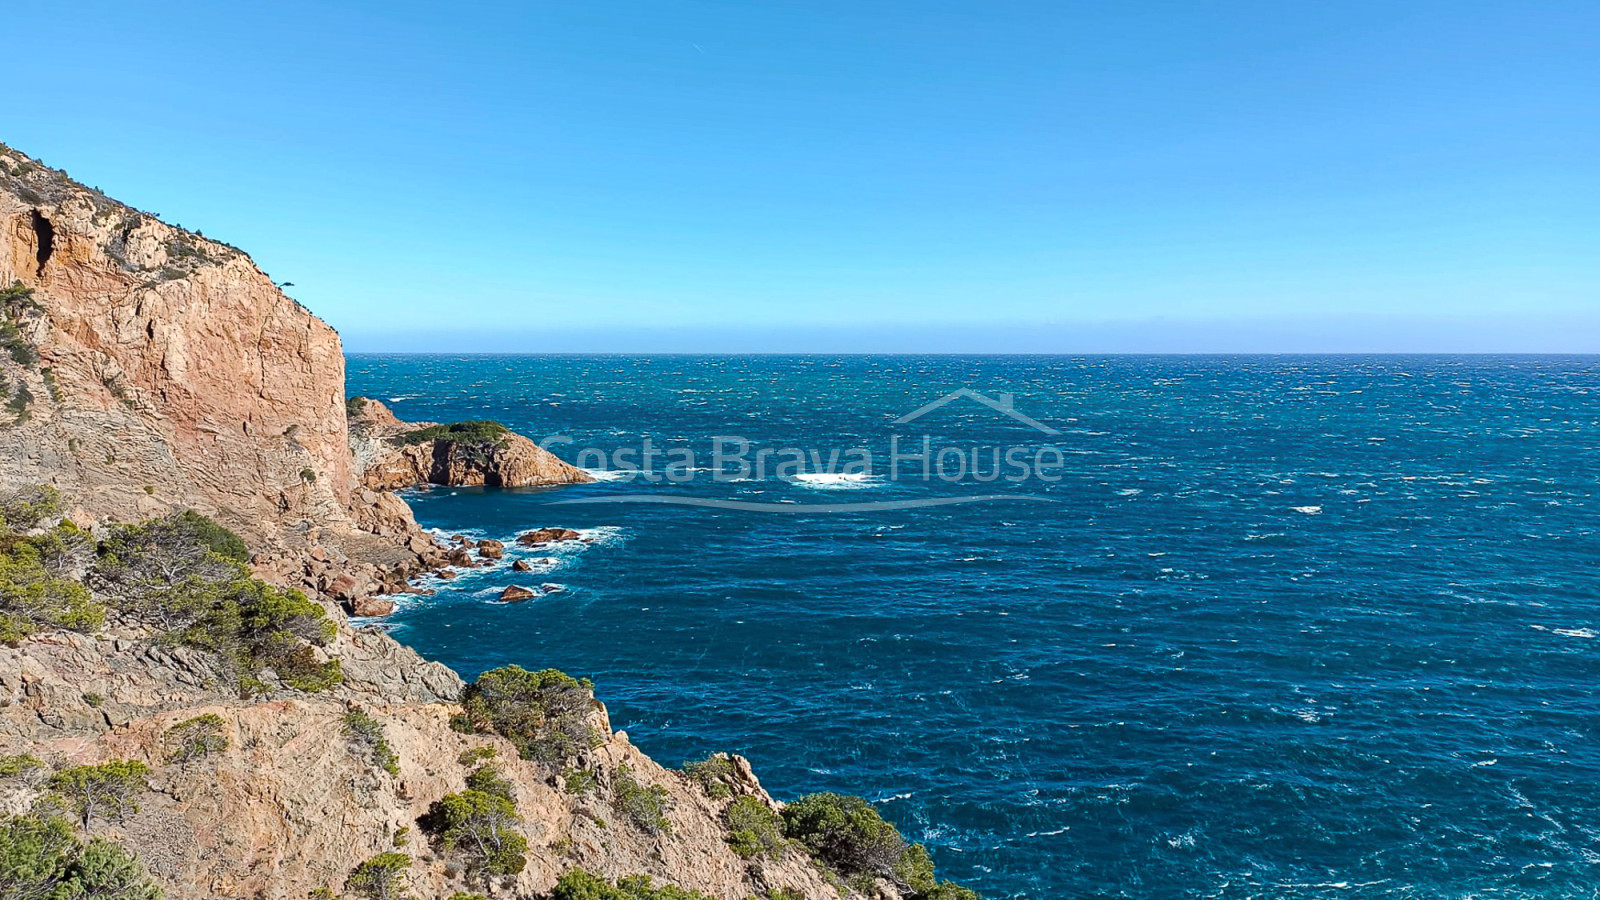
1292 627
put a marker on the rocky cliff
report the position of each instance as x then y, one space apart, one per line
147 370
170 370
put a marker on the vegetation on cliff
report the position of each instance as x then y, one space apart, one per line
42 859
850 835
185 576
182 576
474 432
547 715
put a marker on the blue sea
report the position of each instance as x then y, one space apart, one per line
1262 626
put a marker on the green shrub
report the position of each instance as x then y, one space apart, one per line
17 300
489 780
366 735
714 774
353 406
105 791
185 575
21 765
480 830
477 432
477 755
382 877
461 895
41 859
13 342
25 508
21 399
582 885
753 828
33 597
644 806
580 781
848 834
545 714
914 871
196 738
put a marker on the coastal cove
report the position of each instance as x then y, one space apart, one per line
1347 596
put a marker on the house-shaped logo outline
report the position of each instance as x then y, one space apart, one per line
1001 403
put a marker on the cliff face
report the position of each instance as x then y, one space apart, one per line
291 806
147 370
164 360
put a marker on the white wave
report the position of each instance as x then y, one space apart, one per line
836 481
1308 510
611 474
1577 632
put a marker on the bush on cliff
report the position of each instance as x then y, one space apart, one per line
366 736
41 859
545 714
753 828
382 877
106 791
476 432
480 830
582 885
196 738
25 508
185 575
848 834
33 597
644 806
713 774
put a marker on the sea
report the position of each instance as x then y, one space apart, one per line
1087 627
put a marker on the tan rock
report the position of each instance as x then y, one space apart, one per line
515 594
541 536
372 606
491 549
521 565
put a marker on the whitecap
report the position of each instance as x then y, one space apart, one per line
1308 510
836 481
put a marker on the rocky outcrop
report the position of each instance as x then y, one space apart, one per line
509 461
291 806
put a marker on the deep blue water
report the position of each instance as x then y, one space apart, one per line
1290 627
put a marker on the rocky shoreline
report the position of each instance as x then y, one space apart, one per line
201 510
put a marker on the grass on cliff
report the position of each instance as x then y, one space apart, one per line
476 432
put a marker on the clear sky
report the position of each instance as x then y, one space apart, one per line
857 174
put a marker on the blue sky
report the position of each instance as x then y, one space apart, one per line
1031 176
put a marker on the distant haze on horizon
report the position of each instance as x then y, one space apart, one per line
696 176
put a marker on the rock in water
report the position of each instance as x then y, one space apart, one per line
547 536
514 594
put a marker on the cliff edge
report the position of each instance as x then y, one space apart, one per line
188 509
